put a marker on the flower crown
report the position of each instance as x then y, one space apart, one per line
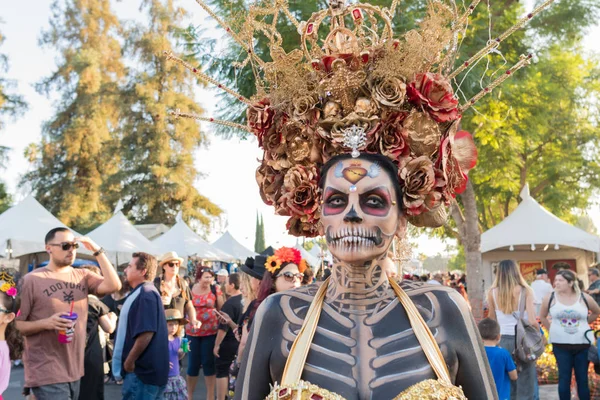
7 284
353 87
285 255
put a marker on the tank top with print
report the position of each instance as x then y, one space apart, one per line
569 322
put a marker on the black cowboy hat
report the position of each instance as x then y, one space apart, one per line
255 267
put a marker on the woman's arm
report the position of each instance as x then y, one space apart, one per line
108 322
593 306
530 308
491 305
544 312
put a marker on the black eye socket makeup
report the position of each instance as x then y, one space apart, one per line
376 202
335 201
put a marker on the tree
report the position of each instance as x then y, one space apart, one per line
259 235
11 105
72 161
157 175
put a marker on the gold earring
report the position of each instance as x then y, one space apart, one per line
394 202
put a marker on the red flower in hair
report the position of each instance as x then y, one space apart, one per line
288 254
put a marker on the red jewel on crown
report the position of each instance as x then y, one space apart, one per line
357 14
316 396
284 393
310 29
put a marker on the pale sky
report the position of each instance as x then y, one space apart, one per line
228 165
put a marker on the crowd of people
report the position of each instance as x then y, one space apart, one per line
135 329
76 329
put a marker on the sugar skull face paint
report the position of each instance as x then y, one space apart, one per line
361 219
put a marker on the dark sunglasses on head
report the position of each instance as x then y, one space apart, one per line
66 246
172 264
290 276
2 310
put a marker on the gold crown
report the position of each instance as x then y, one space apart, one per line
351 86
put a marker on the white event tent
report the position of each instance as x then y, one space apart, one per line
120 238
24 226
229 245
183 240
532 233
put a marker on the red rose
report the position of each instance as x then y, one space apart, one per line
458 155
434 93
260 118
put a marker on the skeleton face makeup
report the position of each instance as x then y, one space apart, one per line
359 215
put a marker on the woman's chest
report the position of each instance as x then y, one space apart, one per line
367 357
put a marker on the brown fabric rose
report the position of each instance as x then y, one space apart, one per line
270 183
304 104
296 227
389 92
423 134
260 118
434 93
390 140
419 179
301 193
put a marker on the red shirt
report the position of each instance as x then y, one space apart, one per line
205 312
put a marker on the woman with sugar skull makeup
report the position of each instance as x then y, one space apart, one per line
569 309
360 132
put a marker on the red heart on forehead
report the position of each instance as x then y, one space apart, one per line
354 174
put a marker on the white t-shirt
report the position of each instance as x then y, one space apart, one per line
540 290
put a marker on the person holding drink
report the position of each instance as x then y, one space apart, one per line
54 307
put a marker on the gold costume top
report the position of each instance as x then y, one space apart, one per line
293 388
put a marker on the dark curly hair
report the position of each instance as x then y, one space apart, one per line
14 340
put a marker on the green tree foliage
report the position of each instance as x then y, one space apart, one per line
72 161
157 173
11 104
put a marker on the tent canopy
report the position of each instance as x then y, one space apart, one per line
25 225
312 261
229 245
120 238
532 224
183 240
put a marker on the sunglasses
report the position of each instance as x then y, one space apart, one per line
290 276
2 310
66 246
173 264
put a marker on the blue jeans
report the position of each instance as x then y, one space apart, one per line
134 389
201 355
567 361
524 387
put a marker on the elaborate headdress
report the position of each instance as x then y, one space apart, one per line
352 86
282 256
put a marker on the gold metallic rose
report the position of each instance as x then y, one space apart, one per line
423 134
419 179
389 92
365 107
304 104
298 141
270 183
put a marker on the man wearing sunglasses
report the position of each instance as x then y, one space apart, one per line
53 369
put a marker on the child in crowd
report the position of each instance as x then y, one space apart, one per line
176 388
501 362
11 341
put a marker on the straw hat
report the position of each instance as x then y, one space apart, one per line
173 314
170 256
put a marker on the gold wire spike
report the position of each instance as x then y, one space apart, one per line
392 8
229 124
246 46
496 42
523 62
205 77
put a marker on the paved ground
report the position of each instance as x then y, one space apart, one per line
111 391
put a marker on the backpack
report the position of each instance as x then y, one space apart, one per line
529 341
